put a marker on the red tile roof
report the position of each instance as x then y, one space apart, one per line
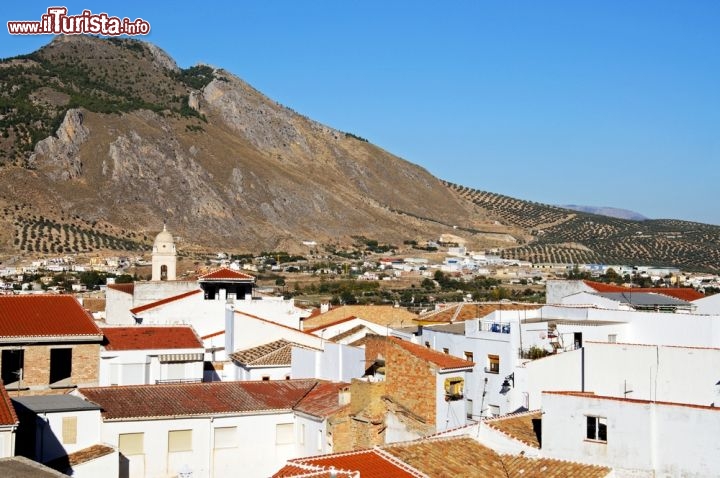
630 400
442 360
158 303
325 326
437 457
687 294
197 399
150 338
276 353
523 427
323 400
368 463
225 274
44 316
126 288
468 311
7 411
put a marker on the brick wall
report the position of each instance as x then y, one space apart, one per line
36 367
410 381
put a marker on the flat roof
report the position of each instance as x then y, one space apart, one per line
54 403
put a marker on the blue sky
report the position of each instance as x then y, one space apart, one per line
605 103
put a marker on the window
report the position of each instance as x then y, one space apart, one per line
284 433
60 366
69 430
454 388
597 429
179 440
494 410
226 437
469 356
446 350
612 338
493 364
131 443
427 344
13 361
469 409
266 378
163 272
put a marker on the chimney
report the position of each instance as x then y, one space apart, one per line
344 396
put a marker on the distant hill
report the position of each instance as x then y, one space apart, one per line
608 211
102 140
562 235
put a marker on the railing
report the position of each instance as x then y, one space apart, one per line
179 380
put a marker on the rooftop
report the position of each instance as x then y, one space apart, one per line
226 274
385 315
7 411
21 467
442 360
54 403
323 400
44 316
150 338
438 457
277 353
471 310
198 399
683 293
128 288
524 427
167 300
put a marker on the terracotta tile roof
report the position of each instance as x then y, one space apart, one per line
442 360
439 458
276 353
224 274
151 338
197 399
466 457
368 463
128 288
524 427
323 400
44 316
7 411
324 326
349 333
64 463
167 300
468 311
687 294
385 315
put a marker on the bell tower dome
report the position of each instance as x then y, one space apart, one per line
164 256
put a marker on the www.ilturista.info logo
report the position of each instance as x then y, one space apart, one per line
57 22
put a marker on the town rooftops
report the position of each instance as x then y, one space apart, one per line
438 457
197 399
7 411
151 338
54 403
33 317
167 300
225 274
277 353
442 360
470 310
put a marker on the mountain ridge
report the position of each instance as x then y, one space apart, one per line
103 140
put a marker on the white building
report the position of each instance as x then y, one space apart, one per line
638 438
148 355
214 429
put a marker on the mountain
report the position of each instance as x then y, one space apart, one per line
103 140
607 211
111 137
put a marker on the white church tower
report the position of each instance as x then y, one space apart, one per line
164 256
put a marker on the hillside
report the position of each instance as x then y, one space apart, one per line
567 236
111 136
